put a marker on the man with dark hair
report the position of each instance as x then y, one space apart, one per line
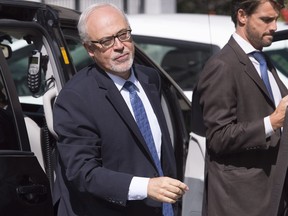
243 103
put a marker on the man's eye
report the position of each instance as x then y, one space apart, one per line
106 41
122 35
268 20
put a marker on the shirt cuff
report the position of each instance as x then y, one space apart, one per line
138 188
268 127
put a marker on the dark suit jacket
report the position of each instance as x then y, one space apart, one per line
101 148
241 164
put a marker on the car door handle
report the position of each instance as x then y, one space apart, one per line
32 193
31 189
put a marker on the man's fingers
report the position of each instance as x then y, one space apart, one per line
169 196
180 185
166 189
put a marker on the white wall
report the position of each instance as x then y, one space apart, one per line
151 6
85 3
160 6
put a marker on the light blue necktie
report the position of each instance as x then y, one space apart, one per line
143 124
264 72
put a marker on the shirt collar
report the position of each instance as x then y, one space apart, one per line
246 46
119 82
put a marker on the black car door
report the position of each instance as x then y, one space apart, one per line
24 187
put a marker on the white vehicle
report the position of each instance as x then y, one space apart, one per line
181 44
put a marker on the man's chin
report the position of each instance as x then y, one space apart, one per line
122 68
268 41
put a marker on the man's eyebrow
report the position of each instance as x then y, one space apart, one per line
269 18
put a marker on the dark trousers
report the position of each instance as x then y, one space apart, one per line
283 205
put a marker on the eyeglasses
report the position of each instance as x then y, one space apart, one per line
107 42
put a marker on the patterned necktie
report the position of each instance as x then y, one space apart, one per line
143 124
264 72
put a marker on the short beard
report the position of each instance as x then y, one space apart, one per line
120 68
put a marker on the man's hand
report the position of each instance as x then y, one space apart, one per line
165 189
277 117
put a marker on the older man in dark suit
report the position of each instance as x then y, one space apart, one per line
109 164
243 103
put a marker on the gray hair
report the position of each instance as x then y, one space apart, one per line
82 27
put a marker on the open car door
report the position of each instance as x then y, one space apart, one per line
24 187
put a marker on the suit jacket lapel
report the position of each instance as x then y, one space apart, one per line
249 67
150 90
152 93
153 96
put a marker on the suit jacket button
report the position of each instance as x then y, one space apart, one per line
156 175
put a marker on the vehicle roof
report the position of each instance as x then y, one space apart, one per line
202 28
187 27
29 11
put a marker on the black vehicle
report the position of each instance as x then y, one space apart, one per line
24 186
43 51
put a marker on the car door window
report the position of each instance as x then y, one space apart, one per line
182 60
77 51
24 44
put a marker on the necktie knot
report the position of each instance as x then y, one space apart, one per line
259 57
130 86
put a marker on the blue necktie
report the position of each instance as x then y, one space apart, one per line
264 72
143 124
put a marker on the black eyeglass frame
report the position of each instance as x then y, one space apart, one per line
112 38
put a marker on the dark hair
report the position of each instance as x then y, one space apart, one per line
249 6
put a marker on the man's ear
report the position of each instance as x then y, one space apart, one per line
241 17
90 49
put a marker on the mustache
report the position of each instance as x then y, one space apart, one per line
119 55
270 33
